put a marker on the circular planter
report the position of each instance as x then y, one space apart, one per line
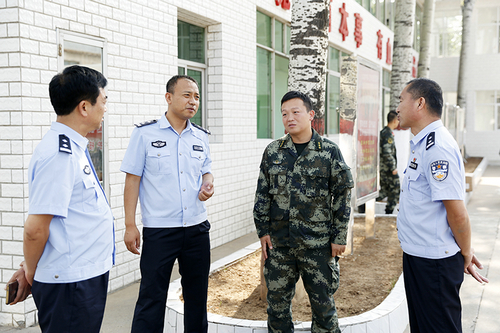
390 316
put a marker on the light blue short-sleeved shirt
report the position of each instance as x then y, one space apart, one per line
62 183
435 172
171 167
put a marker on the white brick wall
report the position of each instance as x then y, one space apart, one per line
141 56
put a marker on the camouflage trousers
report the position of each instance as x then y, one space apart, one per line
320 274
389 187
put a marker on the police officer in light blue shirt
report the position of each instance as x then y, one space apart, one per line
168 167
68 235
433 224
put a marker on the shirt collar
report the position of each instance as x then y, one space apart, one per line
164 123
81 141
427 129
314 143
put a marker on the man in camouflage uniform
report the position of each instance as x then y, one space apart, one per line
302 210
389 179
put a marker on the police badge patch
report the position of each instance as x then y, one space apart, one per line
159 144
439 170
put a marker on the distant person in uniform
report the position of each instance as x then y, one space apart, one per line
389 178
68 235
433 224
168 167
302 210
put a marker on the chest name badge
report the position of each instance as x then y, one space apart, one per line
86 169
413 165
197 148
439 170
159 144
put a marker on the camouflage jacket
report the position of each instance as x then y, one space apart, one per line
303 201
388 159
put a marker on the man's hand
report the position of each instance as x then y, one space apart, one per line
132 238
207 187
337 250
24 288
395 172
469 268
206 191
265 243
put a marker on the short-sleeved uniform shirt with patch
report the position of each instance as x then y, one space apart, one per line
62 183
435 172
171 167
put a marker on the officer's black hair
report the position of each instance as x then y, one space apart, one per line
75 84
430 91
297 94
173 81
391 116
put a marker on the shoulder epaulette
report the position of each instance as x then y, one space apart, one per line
64 144
201 128
146 123
431 140
319 144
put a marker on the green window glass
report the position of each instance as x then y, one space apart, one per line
264 29
263 93
191 42
281 88
197 75
333 59
278 36
386 79
288 37
273 40
333 103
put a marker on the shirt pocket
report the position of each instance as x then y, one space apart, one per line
196 162
277 180
90 197
316 182
417 186
158 161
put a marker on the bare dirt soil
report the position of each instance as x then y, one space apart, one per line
366 278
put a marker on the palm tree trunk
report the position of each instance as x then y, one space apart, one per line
308 53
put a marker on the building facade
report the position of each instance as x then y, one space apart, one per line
482 114
238 52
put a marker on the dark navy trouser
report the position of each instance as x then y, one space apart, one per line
71 307
191 247
432 291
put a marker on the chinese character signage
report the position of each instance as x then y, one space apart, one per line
285 4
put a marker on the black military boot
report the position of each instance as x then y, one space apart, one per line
388 212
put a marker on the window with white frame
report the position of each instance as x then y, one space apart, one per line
447 34
191 61
79 49
273 47
333 91
487 112
488 30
